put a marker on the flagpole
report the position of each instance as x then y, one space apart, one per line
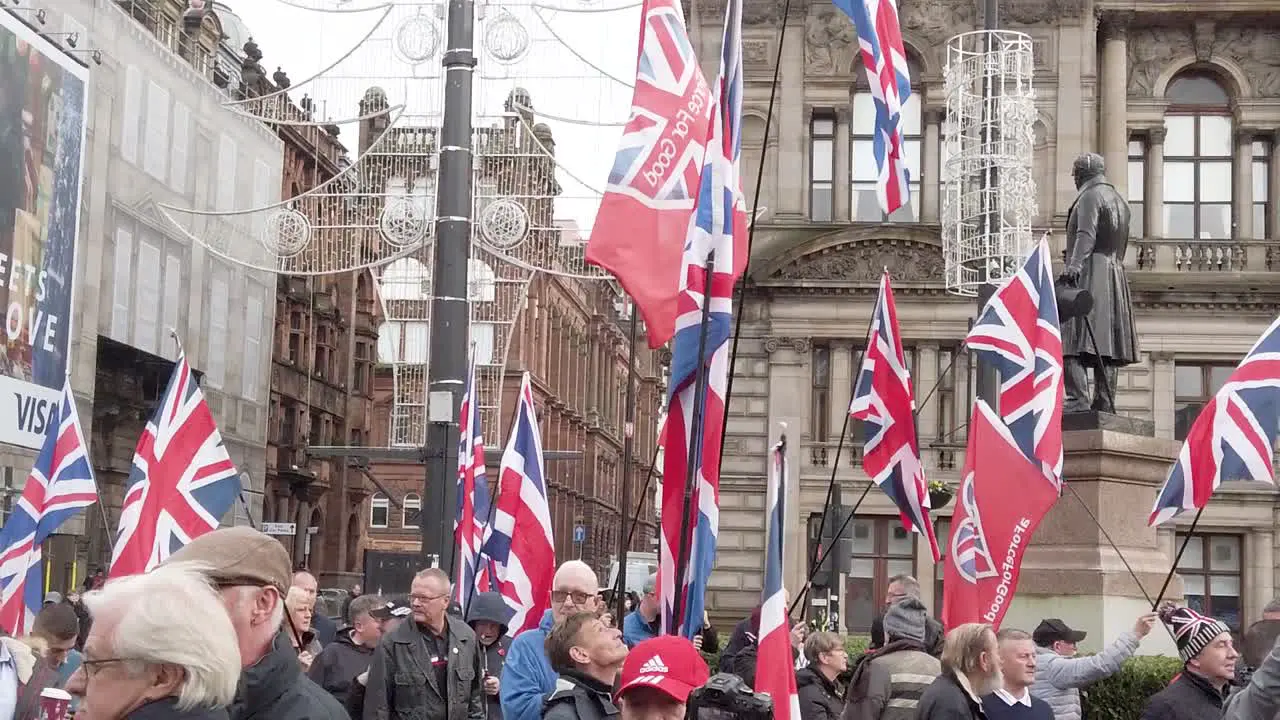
628 456
694 453
740 291
620 585
1176 560
835 462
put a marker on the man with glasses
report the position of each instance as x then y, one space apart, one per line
428 669
527 677
252 574
900 587
161 646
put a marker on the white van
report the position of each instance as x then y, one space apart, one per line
640 565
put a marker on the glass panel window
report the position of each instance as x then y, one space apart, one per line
1193 385
1261 190
822 159
379 510
1198 182
820 400
881 550
1212 580
412 511
1137 187
864 201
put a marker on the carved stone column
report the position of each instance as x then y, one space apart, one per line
1273 187
1115 98
1155 182
843 356
1162 393
840 183
1242 198
931 165
925 377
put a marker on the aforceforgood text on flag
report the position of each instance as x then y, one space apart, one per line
1003 496
643 220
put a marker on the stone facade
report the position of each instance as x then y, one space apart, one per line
1102 79
156 131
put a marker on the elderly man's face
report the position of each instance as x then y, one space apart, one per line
574 592
111 687
429 600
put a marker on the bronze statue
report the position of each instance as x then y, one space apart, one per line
1104 338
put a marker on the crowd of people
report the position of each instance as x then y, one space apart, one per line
225 629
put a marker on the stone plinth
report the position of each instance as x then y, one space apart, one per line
1070 570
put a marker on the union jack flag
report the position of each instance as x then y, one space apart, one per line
775 669
182 481
60 484
883 401
519 542
1018 331
643 220
885 57
713 257
968 543
473 497
1233 437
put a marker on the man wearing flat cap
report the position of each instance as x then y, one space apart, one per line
1060 675
252 573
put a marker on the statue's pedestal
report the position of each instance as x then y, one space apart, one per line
1113 468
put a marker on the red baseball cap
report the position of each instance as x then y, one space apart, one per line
668 662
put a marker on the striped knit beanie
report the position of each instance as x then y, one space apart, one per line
1191 631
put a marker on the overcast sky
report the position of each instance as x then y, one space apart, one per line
578 68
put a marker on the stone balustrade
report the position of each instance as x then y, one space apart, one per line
1166 255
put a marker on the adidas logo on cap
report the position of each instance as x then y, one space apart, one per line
654 665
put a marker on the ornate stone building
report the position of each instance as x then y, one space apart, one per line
569 334
1182 100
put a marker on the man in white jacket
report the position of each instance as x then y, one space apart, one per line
1060 675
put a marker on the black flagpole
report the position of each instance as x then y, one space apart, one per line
695 447
628 456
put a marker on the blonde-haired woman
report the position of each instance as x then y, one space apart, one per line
301 609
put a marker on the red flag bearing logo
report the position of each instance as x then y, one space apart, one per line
1003 498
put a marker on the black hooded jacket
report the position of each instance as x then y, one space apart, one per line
491 607
337 666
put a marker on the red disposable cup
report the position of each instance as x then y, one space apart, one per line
55 704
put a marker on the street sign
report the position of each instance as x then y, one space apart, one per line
579 534
279 528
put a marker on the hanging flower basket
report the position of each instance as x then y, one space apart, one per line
939 495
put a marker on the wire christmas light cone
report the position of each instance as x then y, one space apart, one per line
988 193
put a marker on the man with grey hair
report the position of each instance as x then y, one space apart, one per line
161 646
252 574
906 586
642 623
427 669
527 677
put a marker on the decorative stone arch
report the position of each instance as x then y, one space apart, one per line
758 115
1233 78
856 256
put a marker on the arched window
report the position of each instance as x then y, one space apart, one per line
412 511
1197 159
404 342
379 510
482 282
406 279
864 205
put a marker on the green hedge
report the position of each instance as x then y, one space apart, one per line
1123 695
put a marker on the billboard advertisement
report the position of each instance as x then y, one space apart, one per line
42 140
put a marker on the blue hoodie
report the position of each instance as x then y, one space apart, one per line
527 677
